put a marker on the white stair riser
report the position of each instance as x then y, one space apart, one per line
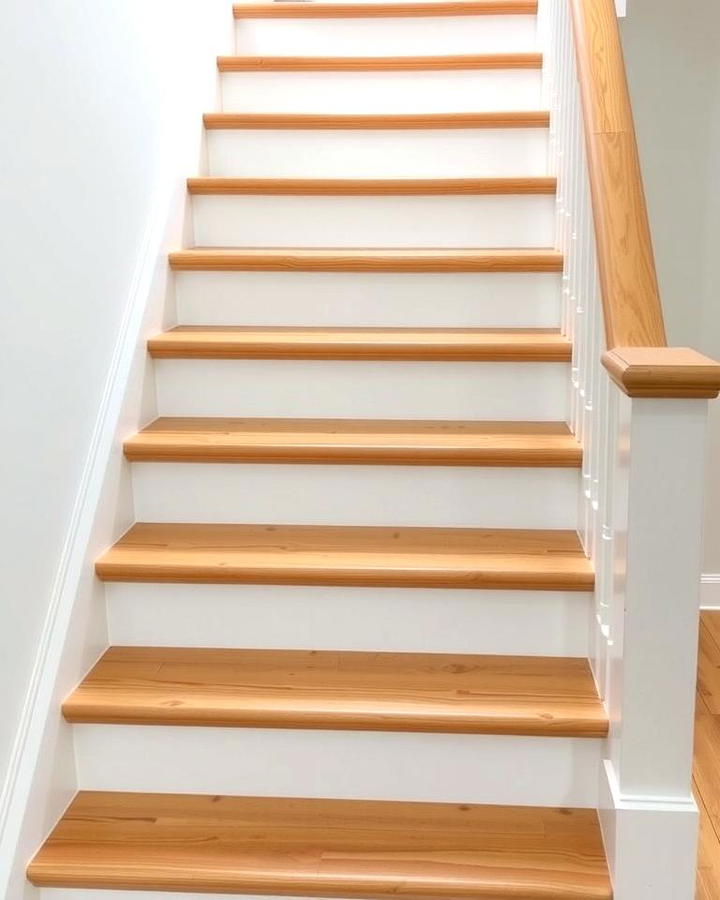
485 300
356 495
403 36
369 153
341 221
411 620
455 768
382 390
381 92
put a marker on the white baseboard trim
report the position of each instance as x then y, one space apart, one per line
39 706
710 591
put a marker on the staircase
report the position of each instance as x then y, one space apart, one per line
351 627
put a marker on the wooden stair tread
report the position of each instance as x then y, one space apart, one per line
405 442
349 555
329 848
429 692
439 344
378 63
372 187
383 10
383 121
279 259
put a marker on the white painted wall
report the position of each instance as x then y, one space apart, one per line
102 107
673 65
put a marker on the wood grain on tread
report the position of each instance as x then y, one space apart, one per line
358 441
383 10
272 259
372 186
378 63
424 692
349 555
431 344
377 122
324 848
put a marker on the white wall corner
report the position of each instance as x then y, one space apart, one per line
41 775
41 778
710 591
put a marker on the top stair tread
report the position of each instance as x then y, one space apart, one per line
460 61
329 848
290 10
373 186
496 119
371 259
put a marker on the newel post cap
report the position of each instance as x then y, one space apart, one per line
663 372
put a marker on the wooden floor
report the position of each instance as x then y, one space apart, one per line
707 757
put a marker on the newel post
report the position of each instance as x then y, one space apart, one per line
648 814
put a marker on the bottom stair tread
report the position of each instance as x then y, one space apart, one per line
324 848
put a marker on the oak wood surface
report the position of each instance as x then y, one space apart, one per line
376 122
663 372
372 186
383 10
349 555
325 848
366 441
629 287
278 259
630 296
706 772
378 63
425 692
432 344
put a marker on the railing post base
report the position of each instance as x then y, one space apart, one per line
651 843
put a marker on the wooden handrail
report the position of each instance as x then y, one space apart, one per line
628 280
630 295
